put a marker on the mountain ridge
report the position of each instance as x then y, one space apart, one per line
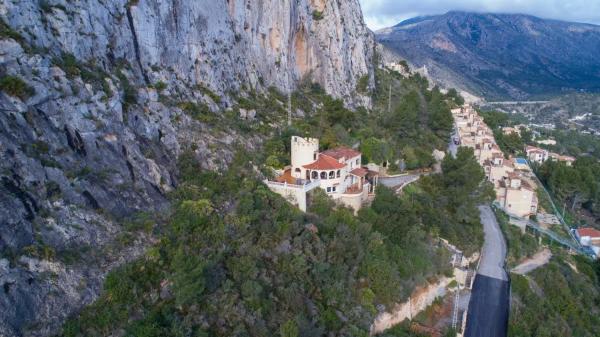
500 56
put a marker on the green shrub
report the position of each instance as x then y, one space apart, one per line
68 62
160 86
15 86
317 15
206 91
198 111
362 85
7 32
129 92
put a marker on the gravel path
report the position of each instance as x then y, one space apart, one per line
531 264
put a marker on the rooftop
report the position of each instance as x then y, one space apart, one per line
591 232
286 177
324 162
359 172
342 152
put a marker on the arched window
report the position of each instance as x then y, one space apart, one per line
339 173
323 175
315 175
331 174
297 170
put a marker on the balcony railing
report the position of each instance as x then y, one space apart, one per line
305 184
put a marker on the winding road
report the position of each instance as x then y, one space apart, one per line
489 305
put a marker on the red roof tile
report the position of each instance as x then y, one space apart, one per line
324 162
286 177
591 232
342 152
359 172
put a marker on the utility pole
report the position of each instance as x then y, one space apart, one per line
289 101
390 98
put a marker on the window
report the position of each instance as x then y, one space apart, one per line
328 189
339 173
315 156
333 189
331 174
297 170
315 175
323 175
357 161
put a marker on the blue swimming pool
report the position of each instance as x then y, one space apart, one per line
522 161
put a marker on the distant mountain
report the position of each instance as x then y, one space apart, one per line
501 56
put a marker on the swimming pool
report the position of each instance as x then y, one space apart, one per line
521 161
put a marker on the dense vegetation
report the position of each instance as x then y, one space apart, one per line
513 143
576 187
235 259
233 249
402 130
573 143
520 245
559 299
15 86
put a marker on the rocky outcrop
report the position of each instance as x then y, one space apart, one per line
419 300
96 140
224 44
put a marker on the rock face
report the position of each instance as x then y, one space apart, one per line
501 56
98 139
223 44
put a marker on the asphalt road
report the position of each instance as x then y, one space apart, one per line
490 296
494 247
488 308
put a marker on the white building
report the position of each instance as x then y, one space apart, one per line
536 154
589 237
338 172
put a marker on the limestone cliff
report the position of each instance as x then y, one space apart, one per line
95 139
223 44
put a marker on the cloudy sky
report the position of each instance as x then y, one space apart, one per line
385 13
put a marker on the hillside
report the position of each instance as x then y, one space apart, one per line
98 100
501 56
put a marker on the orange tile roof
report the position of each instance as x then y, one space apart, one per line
342 152
324 162
286 177
359 172
591 232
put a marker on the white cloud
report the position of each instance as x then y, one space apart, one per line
384 13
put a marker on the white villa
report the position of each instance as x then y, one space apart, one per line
536 154
539 155
339 172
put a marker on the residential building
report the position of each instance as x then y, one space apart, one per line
546 142
536 154
568 160
339 172
515 192
517 196
589 237
508 130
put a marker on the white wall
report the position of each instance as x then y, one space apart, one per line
303 153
